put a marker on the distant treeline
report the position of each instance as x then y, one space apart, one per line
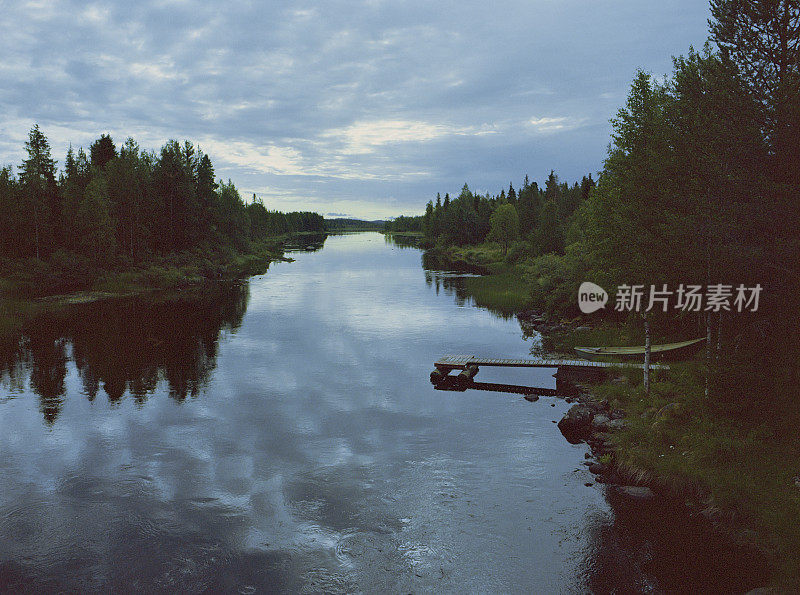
543 215
403 223
129 204
344 224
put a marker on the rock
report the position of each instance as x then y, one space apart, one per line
600 422
531 398
588 484
616 424
620 380
597 468
576 424
617 414
587 455
796 481
581 329
636 492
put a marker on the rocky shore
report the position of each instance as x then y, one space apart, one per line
595 422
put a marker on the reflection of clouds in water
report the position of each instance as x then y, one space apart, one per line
297 388
315 456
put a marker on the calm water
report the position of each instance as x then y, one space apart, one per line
282 434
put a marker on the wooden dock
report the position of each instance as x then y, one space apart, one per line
572 368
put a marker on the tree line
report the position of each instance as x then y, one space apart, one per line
540 216
129 204
701 185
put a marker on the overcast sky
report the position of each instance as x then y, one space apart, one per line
362 108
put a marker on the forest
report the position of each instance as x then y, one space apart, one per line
701 185
120 207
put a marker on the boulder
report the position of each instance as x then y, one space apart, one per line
531 398
600 422
616 424
597 468
576 425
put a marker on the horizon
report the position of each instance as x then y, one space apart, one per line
363 110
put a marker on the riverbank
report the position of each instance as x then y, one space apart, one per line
498 286
733 463
66 277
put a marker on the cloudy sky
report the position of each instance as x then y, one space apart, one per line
360 108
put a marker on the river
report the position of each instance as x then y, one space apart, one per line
281 433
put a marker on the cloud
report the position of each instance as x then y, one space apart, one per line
369 136
547 125
377 103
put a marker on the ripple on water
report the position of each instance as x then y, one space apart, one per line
324 580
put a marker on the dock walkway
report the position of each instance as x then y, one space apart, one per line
565 367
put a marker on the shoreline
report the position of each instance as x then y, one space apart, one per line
634 438
58 281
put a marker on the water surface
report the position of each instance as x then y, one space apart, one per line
282 434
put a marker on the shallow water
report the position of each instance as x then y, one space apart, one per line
282 434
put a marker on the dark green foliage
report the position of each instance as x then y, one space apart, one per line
403 223
504 226
125 207
762 39
346 224
543 217
102 151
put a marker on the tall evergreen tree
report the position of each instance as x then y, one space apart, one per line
40 193
762 37
102 151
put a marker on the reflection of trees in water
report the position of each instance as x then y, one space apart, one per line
402 241
48 369
629 553
12 366
449 276
310 242
126 345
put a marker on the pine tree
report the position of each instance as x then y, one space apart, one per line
102 151
39 192
762 37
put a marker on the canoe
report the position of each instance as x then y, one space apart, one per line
667 350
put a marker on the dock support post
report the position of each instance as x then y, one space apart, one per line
468 373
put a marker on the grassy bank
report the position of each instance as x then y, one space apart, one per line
736 461
66 273
499 287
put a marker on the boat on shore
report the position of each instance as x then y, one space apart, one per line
664 351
